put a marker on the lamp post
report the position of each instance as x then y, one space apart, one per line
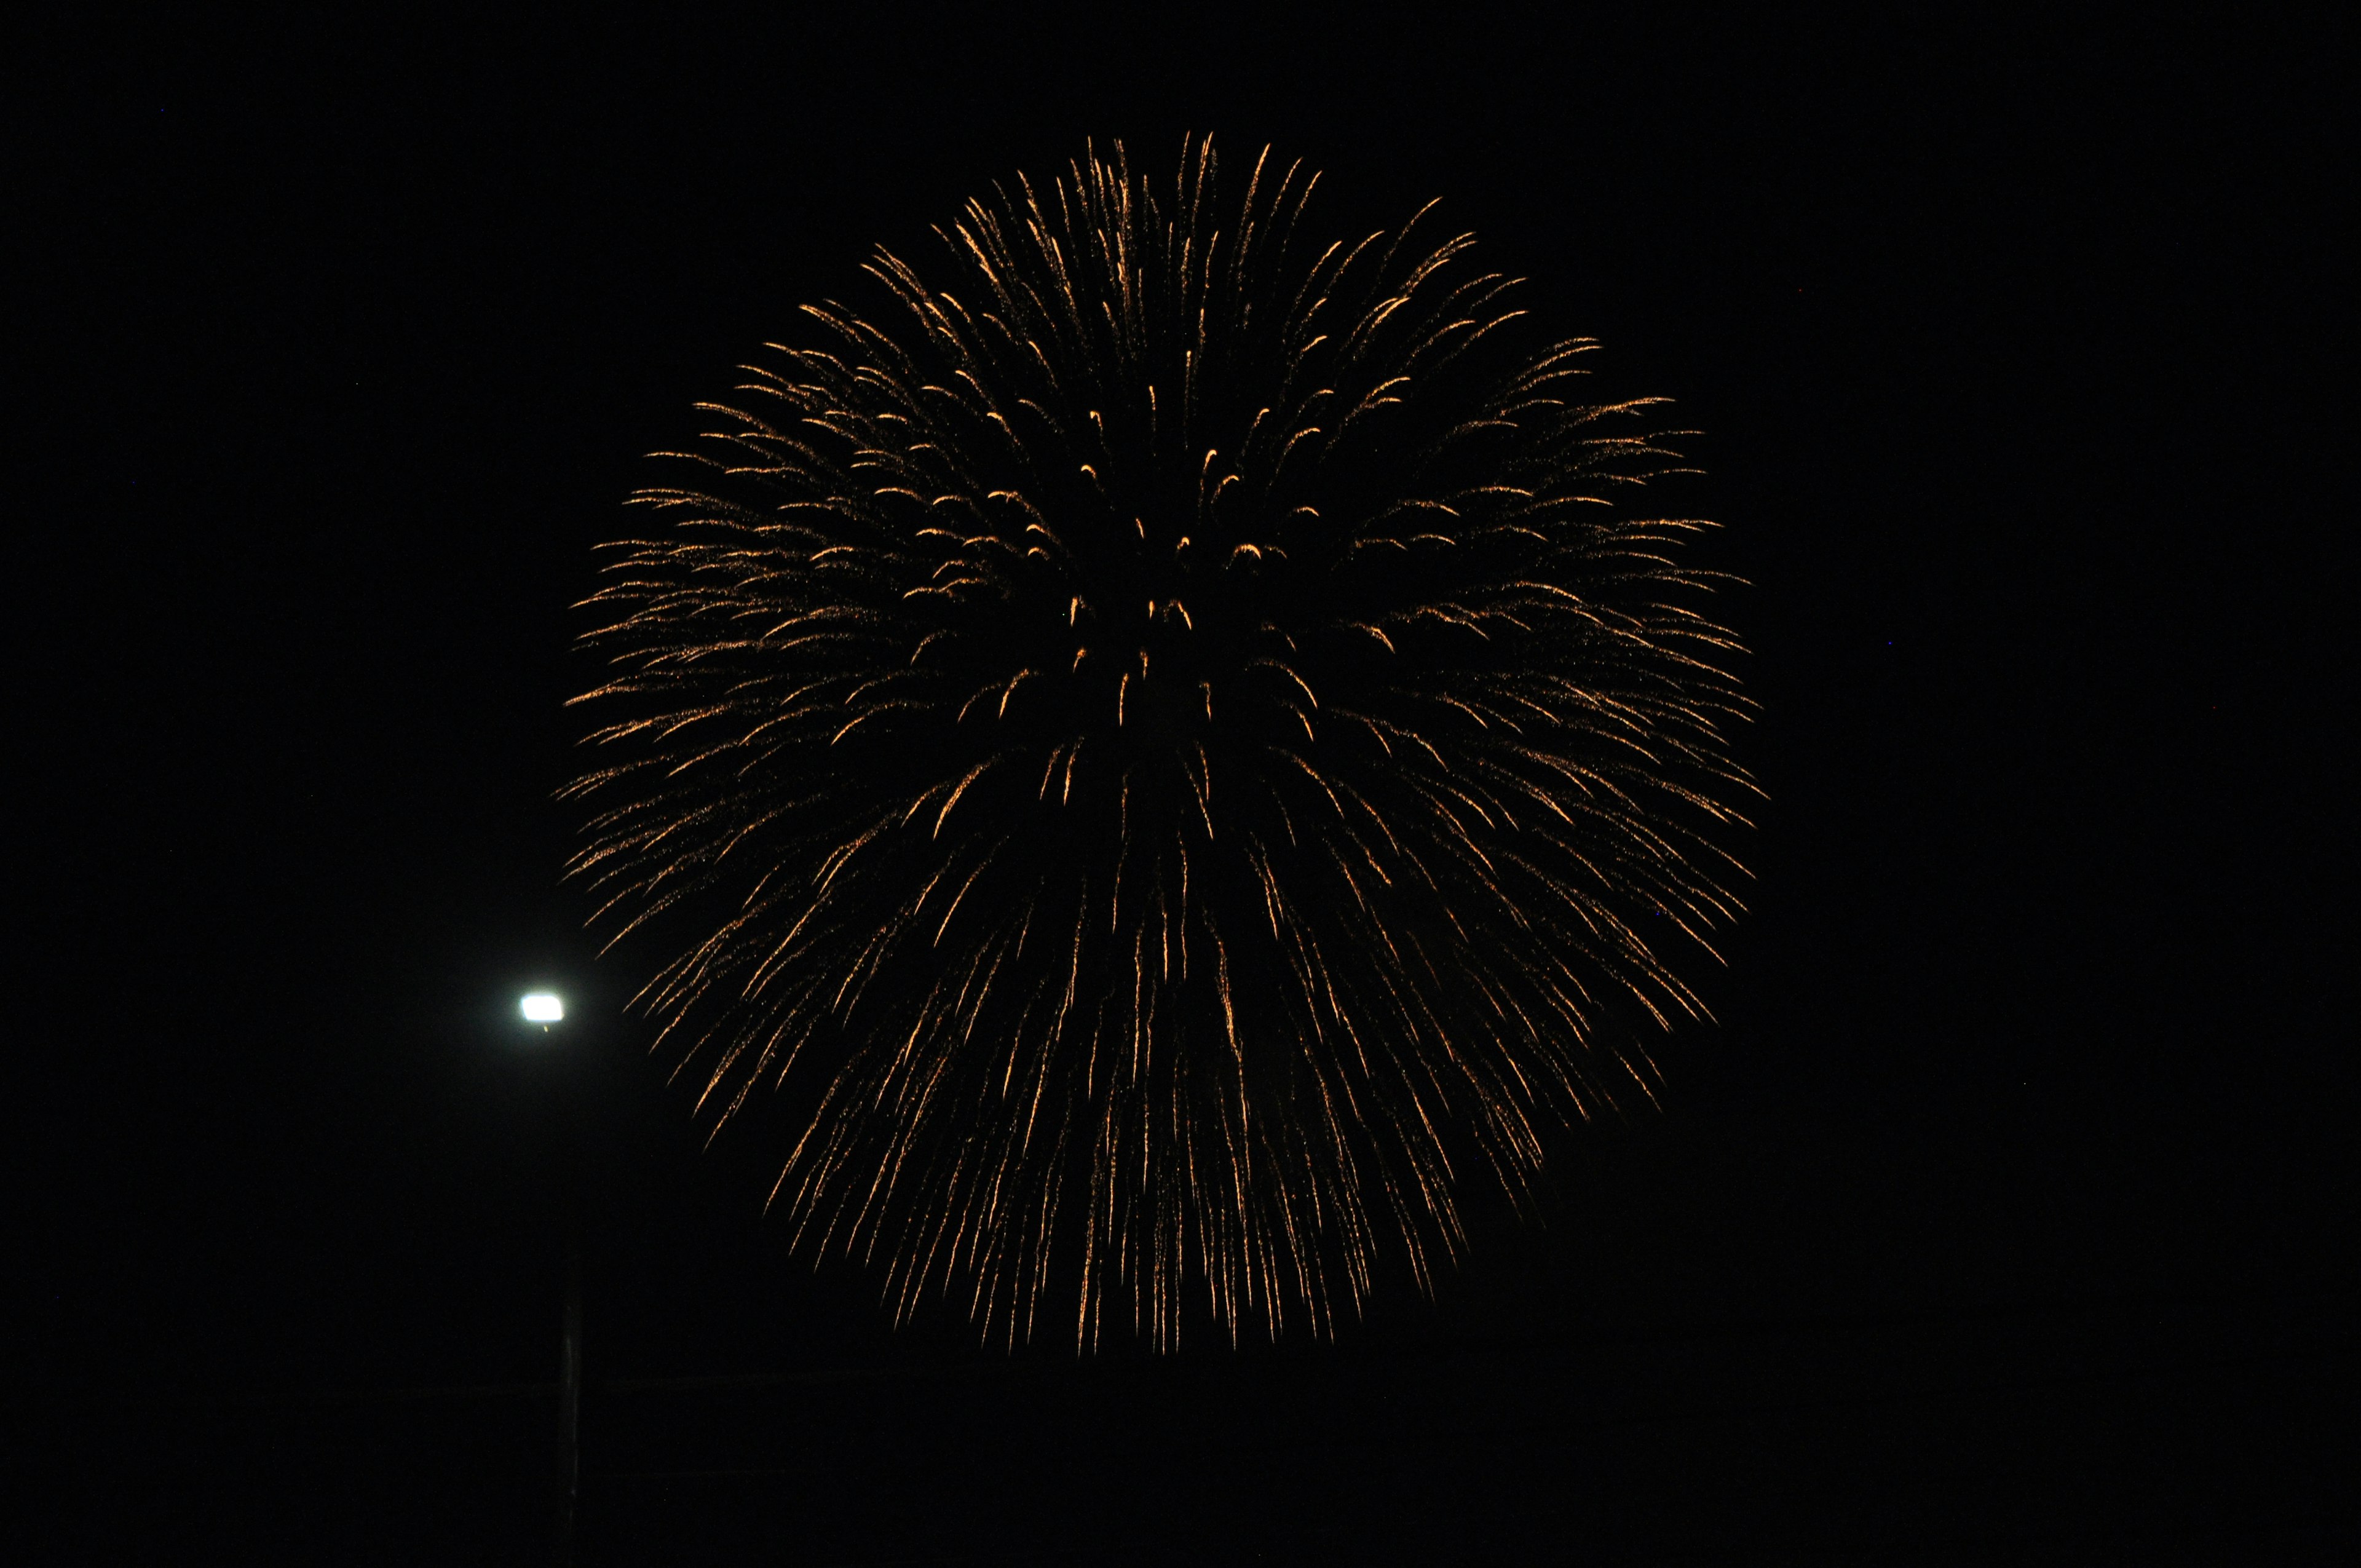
547 1010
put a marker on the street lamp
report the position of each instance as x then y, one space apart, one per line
545 1008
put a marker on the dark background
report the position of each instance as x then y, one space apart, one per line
2001 1217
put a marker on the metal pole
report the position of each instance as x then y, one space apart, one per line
569 1397
570 1328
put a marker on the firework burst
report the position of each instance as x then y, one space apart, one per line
1165 744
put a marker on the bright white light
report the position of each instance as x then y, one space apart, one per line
541 1007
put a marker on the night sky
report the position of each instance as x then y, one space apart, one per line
1995 1220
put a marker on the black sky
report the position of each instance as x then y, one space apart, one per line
2013 348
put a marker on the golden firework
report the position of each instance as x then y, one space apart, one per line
1162 746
